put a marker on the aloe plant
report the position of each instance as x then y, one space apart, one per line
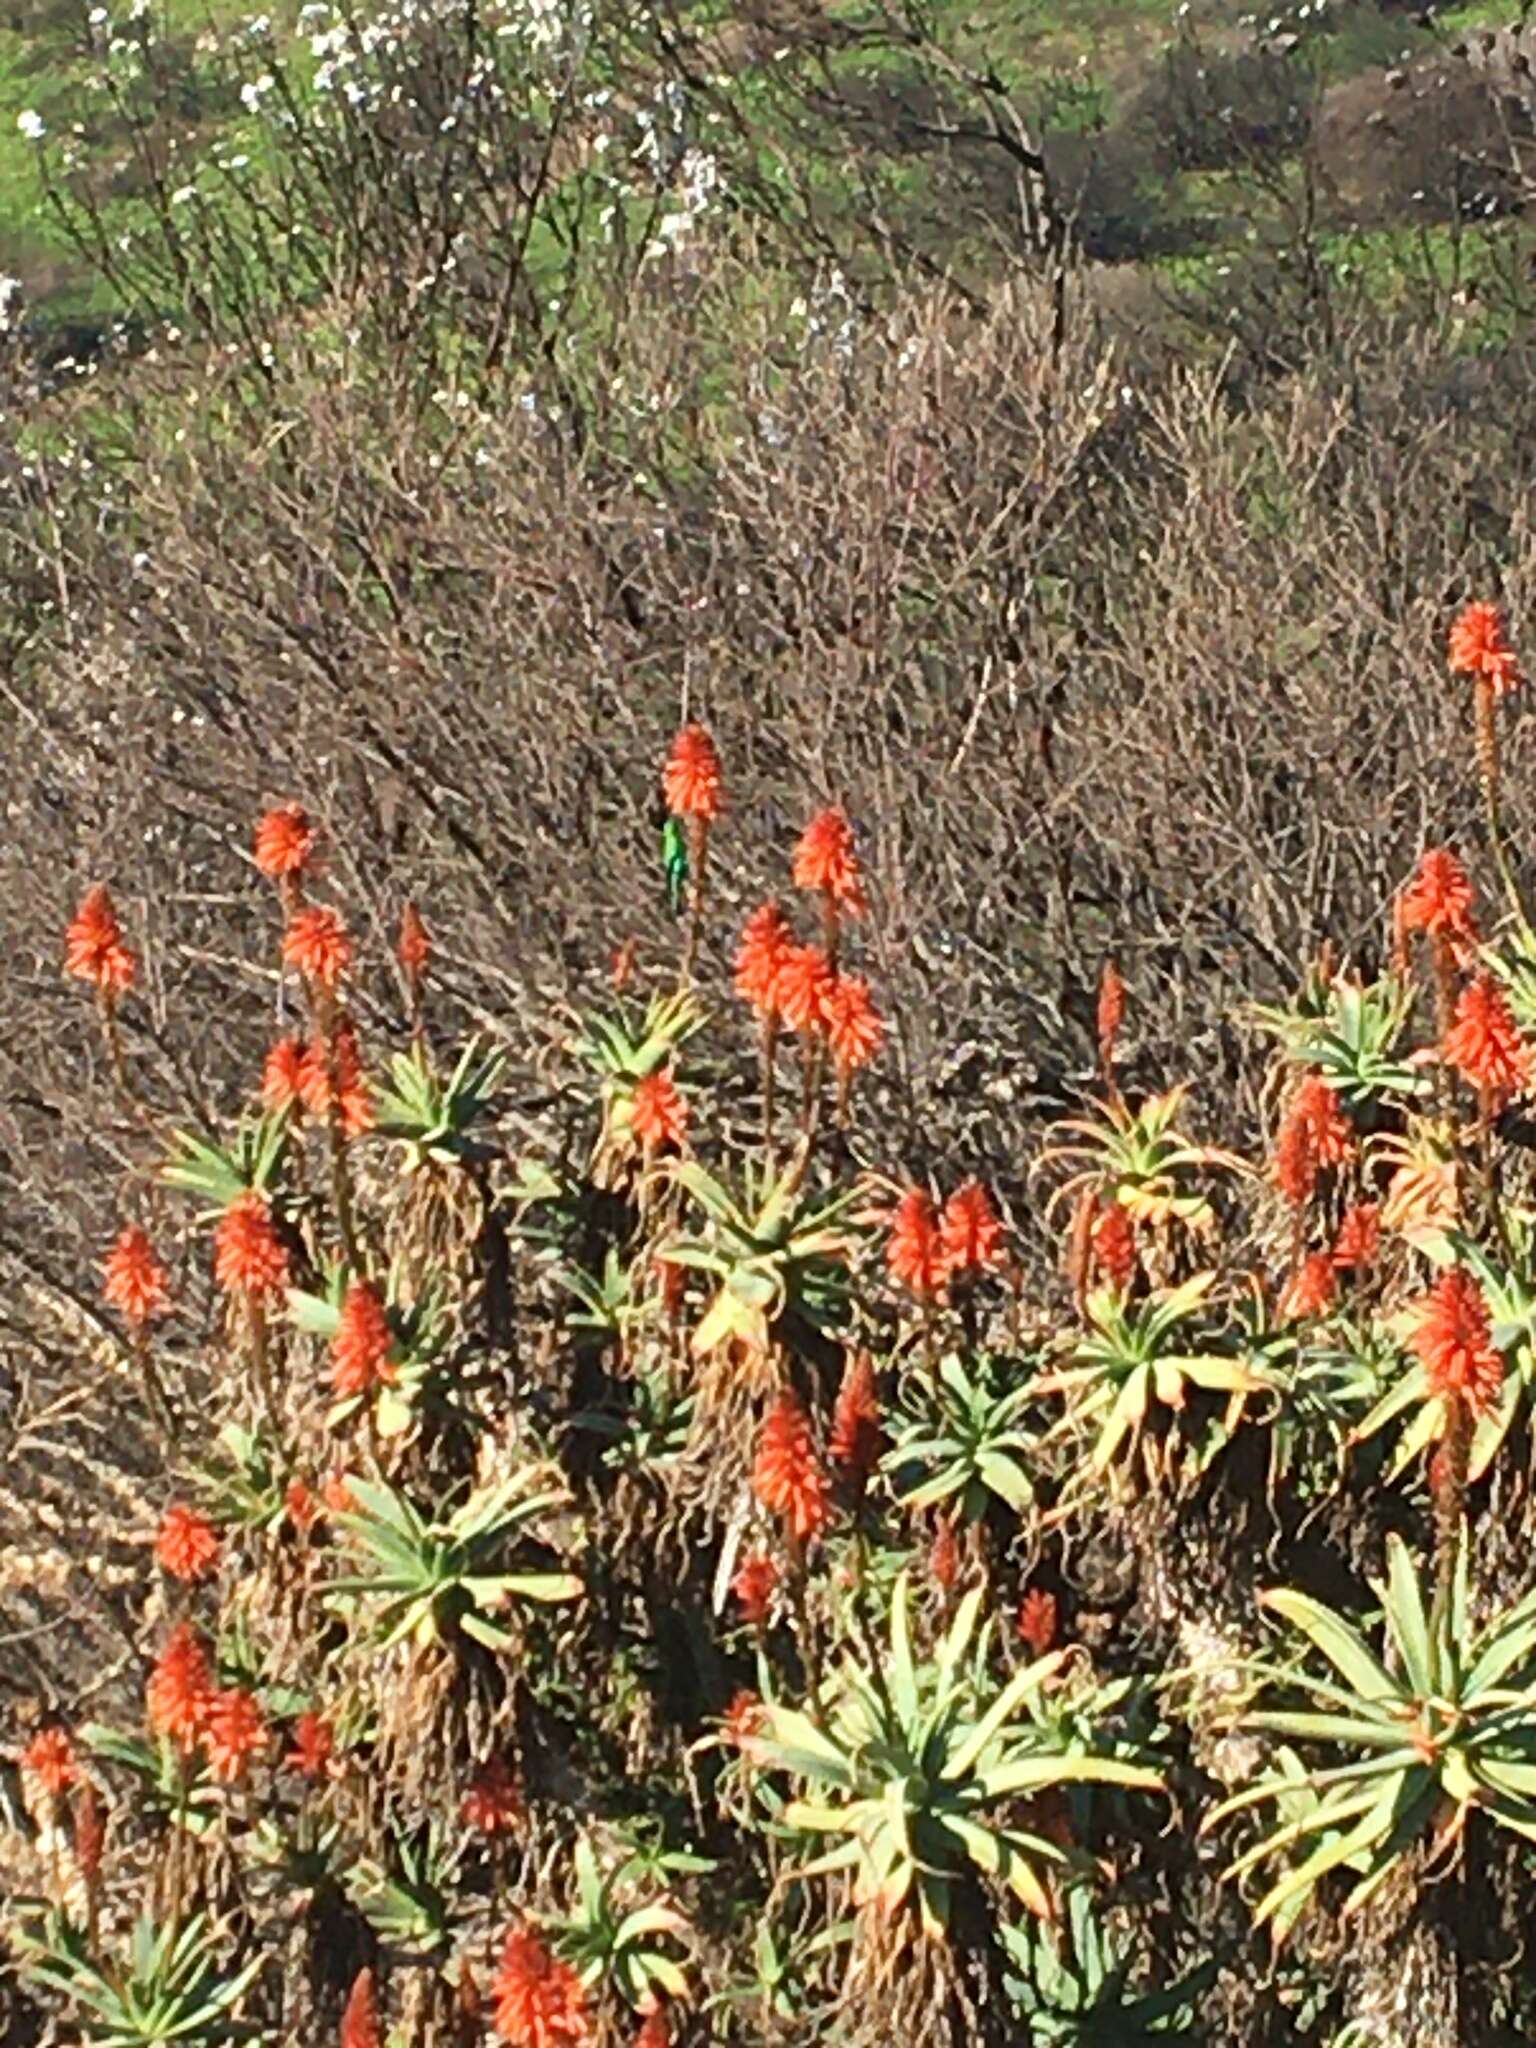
1409 1744
220 1174
1138 1158
173 1785
1422 1200
407 1897
1350 1034
417 1327
1076 1990
780 1255
1134 1358
607 1310
247 1481
623 1054
432 1119
1513 960
168 1986
959 1440
776 1986
647 1429
1509 1288
1323 1381
430 1581
916 1770
616 1938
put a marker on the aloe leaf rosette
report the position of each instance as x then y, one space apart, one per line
916 1774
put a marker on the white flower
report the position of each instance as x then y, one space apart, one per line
32 124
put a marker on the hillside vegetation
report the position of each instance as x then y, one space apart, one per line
769 1240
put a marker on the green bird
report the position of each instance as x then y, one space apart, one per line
674 862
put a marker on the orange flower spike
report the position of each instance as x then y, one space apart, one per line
672 1281
1110 1015
360 1349
314 1080
1484 1042
1359 1237
413 948
300 1506
659 1117
742 1719
826 863
1439 898
316 943
284 841
1311 1290
537 1997
351 1086
234 1733
944 1556
49 1760
1114 1246
914 1251
801 989
180 1690
1480 647
314 1747
754 1586
494 1803
787 1476
337 1495
187 1545
1037 1622
854 1442
94 950
766 941
1453 1337
248 1258
133 1279
971 1230
692 778
1294 1166
1078 1262
282 1075
1333 1135
855 1029
655 2030
360 2021
90 1830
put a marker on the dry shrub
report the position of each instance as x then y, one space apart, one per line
1101 658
